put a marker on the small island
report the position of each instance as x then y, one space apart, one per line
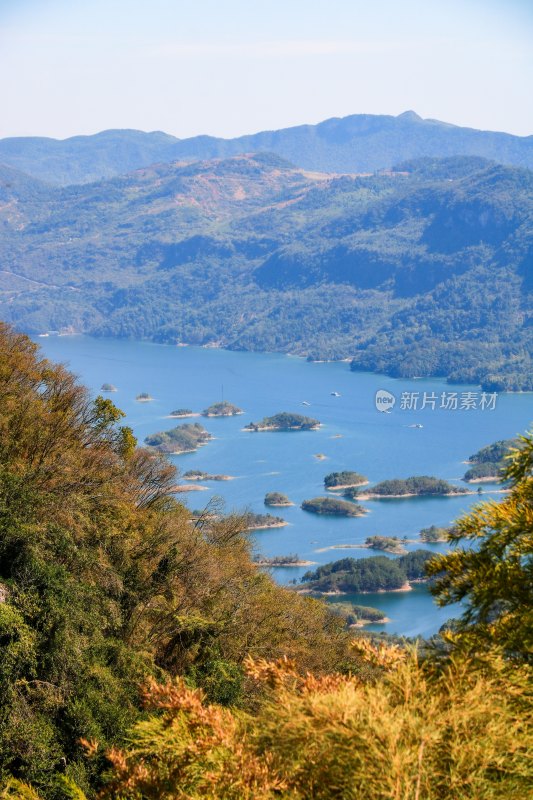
387 544
180 488
416 486
222 409
291 560
284 421
277 499
364 575
198 475
144 397
181 439
337 481
334 507
434 534
356 616
182 413
489 462
108 387
260 522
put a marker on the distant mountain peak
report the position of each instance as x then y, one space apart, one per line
410 116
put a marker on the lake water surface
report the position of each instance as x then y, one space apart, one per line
354 435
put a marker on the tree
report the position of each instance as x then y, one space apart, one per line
494 576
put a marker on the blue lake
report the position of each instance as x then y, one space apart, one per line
354 435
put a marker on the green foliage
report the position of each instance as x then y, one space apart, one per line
459 732
434 534
417 485
104 581
493 574
344 478
333 506
255 522
390 544
181 439
276 499
362 267
222 409
285 421
489 462
353 613
377 573
278 561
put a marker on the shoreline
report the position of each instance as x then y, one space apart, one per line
345 360
267 527
259 429
319 513
341 487
486 479
268 563
405 588
208 477
371 496
366 547
362 622
180 488
234 414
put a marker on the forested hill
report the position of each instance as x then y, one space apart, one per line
357 143
423 270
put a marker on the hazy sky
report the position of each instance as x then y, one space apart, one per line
228 67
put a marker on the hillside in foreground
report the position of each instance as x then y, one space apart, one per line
422 271
144 654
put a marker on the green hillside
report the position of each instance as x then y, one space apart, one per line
423 271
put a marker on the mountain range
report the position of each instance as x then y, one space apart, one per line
425 269
357 143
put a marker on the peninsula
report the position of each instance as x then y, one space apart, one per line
488 463
182 439
284 421
357 616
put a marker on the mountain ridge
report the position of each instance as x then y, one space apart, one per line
426 270
355 143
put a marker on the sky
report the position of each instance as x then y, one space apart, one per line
229 67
